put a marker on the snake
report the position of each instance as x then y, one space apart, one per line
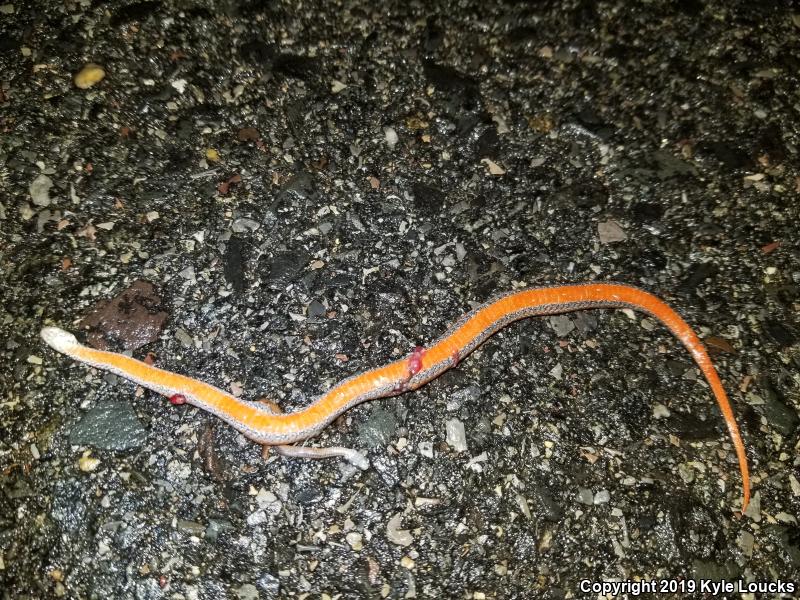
266 424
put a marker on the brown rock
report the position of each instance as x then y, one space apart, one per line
129 321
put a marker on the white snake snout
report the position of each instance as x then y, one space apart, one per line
58 339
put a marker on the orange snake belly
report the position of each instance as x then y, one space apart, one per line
269 427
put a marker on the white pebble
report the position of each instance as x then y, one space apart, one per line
179 84
426 449
456 436
401 537
602 497
355 539
391 136
39 190
660 411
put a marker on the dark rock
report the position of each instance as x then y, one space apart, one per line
258 51
778 414
110 425
234 264
286 267
134 12
690 428
432 37
462 88
316 309
488 144
698 273
299 67
428 200
379 428
729 154
779 333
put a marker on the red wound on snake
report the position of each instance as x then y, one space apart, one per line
455 357
415 361
177 399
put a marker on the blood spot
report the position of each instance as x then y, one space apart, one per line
177 399
415 361
455 357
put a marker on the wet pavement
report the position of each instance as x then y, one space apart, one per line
273 196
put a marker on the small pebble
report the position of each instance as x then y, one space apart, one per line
602 497
426 449
660 411
456 436
179 84
257 518
561 324
493 167
754 508
178 471
188 274
264 498
243 224
610 232
400 537
87 463
247 592
391 136
746 542
794 484
89 75
355 540
39 190
557 371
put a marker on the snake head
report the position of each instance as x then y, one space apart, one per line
58 339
